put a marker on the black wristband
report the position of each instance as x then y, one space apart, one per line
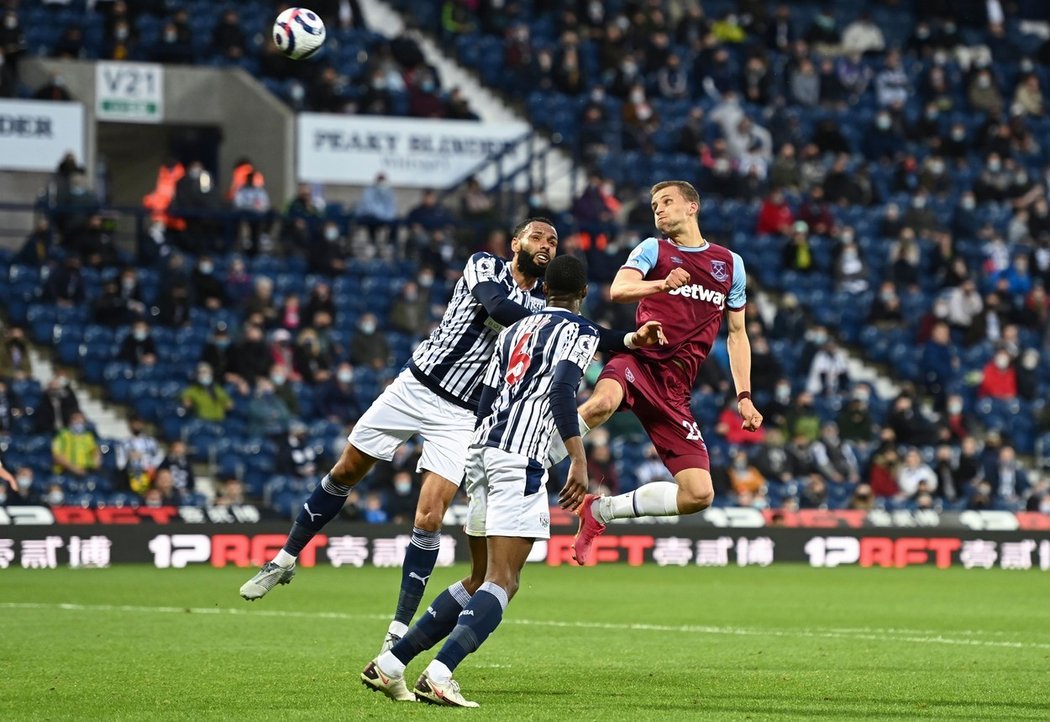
743 395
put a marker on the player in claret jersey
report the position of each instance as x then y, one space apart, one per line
687 283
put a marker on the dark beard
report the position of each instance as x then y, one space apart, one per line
527 265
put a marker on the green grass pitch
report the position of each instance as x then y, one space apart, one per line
602 643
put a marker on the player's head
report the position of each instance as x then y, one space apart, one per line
565 282
535 242
675 205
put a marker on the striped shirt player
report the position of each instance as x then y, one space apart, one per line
452 361
533 376
529 390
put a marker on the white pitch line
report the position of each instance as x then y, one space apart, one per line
861 633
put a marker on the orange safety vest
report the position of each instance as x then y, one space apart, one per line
163 194
240 177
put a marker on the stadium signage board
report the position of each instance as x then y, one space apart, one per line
34 135
383 545
64 515
129 92
411 152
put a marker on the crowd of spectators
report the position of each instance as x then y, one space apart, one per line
357 72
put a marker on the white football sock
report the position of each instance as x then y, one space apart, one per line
397 628
659 498
438 672
284 559
390 665
558 450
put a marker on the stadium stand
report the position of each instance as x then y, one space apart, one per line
881 194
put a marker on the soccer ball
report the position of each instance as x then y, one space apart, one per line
298 32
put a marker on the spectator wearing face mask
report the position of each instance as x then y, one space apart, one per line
268 415
177 462
297 456
744 476
75 449
206 399
280 377
401 498
855 421
313 362
955 420
207 288
1027 372
983 94
999 378
829 370
410 312
337 400
138 347
369 347
14 354
56 409
378 207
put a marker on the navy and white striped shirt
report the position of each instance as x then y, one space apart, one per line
522 373
452 361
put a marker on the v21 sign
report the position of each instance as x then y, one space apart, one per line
129 92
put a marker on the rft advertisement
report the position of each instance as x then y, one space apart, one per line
356 545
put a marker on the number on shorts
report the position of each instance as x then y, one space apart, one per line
692 430
519 360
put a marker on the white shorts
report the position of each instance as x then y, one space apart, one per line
408 407
508 495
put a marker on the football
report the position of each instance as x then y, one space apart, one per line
298 32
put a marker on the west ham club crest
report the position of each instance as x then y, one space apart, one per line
719 270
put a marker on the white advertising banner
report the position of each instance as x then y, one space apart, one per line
129 92
34 135
412 152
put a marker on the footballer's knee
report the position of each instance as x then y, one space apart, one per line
351 466
695 491
690 502
508 582
434 497
429 516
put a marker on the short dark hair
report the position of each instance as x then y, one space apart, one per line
686 188
566 276
520 228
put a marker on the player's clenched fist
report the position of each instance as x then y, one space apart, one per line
677 278
748 412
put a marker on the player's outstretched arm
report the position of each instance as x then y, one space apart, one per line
629 285
649 333
739 347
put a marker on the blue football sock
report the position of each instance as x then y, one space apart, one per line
324 504
420 558
477 621
435 624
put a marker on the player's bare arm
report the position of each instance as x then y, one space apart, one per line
739 347
630 286
571 495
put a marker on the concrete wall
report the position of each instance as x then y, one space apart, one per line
253 123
